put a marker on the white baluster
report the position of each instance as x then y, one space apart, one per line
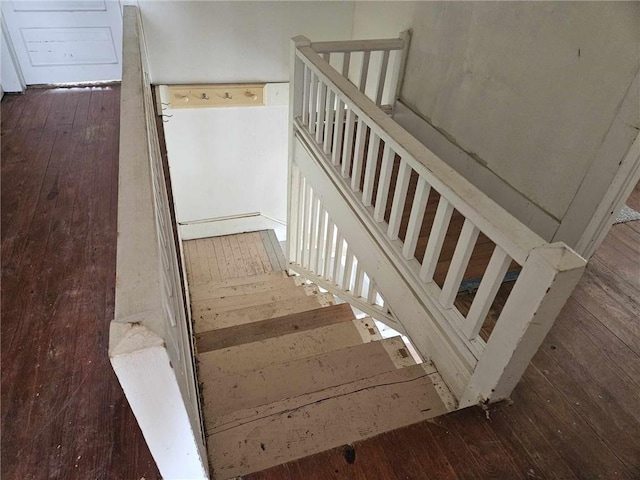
313 103
305 95
486 294
313 237
383 77
308 201
338 130
328 131
358 284
436 239
459 262
399 199
415 219
294 207
372 294
370 169
347 148
384 181
358 155
321 241
321 111
364 71
339 117
301 220
348 268
337 261
328 249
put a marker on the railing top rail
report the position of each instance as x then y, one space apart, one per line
358 45
493 220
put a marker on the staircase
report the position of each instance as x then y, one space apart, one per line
284 371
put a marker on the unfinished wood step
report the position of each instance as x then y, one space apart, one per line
263 437
235 302
216 320
272 351
273 327
227 393
209 290
239 281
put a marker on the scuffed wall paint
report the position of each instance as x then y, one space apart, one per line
530 89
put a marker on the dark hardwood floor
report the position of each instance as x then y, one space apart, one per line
574 415
64 415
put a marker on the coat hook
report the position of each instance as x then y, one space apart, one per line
165 115
205 96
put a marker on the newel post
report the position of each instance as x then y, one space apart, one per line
548 277
296 91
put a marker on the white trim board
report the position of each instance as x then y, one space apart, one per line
231 225
488 182
609 181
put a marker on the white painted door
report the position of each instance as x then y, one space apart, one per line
60 41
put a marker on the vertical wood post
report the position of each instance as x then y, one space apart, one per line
296 81
547 279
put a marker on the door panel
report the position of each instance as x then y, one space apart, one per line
66 41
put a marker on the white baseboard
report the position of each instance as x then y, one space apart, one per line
229 226
488 182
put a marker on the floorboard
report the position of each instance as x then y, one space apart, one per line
64 415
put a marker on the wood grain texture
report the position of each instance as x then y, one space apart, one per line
312 423
273 327
63 412
292 378
573 416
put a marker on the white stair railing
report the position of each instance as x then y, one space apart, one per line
347 151
322 255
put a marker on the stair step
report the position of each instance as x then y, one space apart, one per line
271 327
213 320
296 377
259 438
239 281
272 351
234 302
209 290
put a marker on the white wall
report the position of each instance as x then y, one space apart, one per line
381 19
228 161
530 90
218 42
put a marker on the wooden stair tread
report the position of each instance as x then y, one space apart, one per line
259 438
213 320
271 351
269 283
271 327
238 281
234 302
296 377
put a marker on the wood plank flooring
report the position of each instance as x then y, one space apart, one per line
64 415
574 415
